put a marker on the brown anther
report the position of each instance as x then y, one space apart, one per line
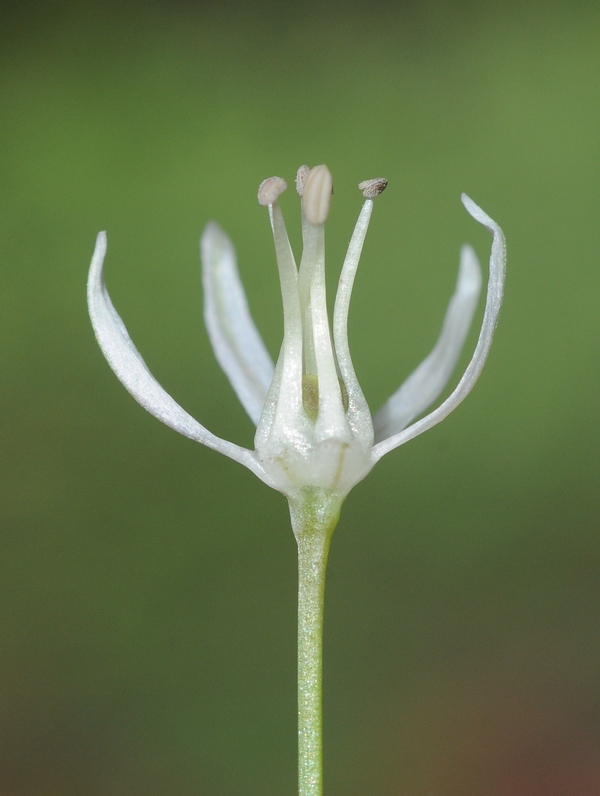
372 188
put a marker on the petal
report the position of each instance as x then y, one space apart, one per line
130 368
425 383
495 294
235 339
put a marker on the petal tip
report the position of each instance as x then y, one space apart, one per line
98 258
478 214
212 232
469 204
470 269
101 241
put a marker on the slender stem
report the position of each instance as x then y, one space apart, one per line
314 516
312 563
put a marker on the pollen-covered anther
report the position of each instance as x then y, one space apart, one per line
301 176
372 188
270 190
316 195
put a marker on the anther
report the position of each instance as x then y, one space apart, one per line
270 189
301 176
372 188
316 195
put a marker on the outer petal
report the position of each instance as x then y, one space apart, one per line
495 294
130 368
426 382
235 339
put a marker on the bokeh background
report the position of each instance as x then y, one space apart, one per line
147 584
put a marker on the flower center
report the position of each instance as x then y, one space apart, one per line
316 428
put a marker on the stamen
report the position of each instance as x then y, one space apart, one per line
315 186
288 275
288 390
319 359
316 195
270 190
301 176
344 291
331 413
372 188
313 257
310 395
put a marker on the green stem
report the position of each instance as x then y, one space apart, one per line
314 516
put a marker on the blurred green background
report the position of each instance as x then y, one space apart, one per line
147 584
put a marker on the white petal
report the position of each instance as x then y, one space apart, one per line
495 294
130 368
428 380
235 339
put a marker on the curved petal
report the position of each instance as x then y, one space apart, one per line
495 294
237 344
425 383
132 371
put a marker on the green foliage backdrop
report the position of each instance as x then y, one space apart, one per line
147 585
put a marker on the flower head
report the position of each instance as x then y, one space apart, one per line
314 427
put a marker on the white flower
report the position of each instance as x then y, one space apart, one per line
314 427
